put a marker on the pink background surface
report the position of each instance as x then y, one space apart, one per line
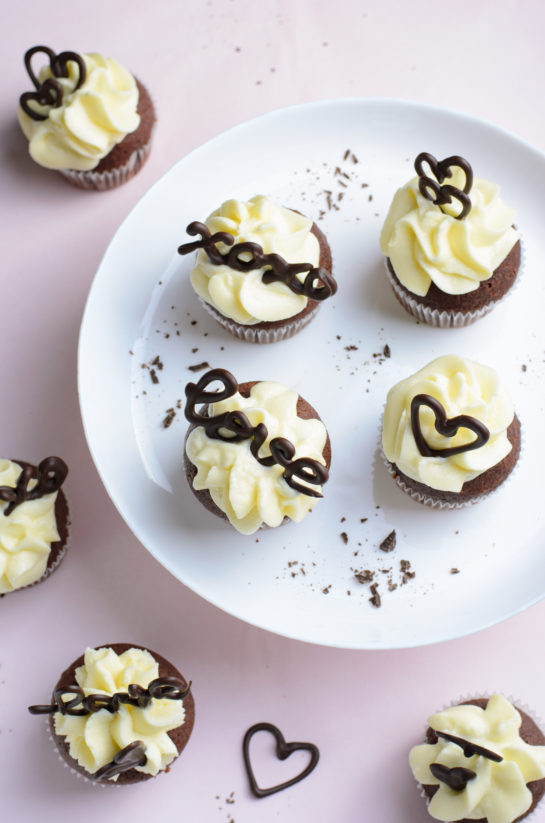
209 66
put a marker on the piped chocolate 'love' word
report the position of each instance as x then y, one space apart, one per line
435 191
51 475
448 427
470 749
283 751
318 284
456 778
50 92
234 426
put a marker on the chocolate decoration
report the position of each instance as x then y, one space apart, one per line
234 427
283 751
456 778
132 755
162 688
51 475
470 749
280 270
50 92
434 191
445 426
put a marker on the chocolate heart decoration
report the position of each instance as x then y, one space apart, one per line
434 191
283 751
445 426
50 92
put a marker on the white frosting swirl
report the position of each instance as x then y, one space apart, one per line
251 494
94 739
91 119
498 792
242 296
26 534
462 387
426 245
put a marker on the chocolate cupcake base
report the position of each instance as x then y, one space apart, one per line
126 158
474 490
437 308
179 736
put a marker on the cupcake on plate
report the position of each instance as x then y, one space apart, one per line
262 270
256 454
86 117
120 714
484 760
452 251
450 433
34 521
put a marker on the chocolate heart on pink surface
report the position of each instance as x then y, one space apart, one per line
283 751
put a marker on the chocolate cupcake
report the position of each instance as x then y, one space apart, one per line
256 454
262 270
450 434
452 252
120 714
34 521
87 118
483 762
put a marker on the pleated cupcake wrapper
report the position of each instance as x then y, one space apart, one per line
102 181
434 503
517 703
448 318
251 334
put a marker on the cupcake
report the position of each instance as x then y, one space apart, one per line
87 117
450 434
451 250
120 714
34 521
256 454
262 270
483 762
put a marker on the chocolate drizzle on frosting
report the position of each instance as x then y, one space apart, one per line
51 475
128 758
234 426
445 426
470 749
283 751
50 92
162 688
456 778
318 284
434 190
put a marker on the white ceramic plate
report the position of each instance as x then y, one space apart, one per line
298 580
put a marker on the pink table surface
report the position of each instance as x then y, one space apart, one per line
210 65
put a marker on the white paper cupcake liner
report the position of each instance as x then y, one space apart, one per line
251 334
102 181
447 319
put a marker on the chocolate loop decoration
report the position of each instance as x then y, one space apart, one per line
318 284
162 688
234 426
434 191
456 778
128 758
470 749
448 427
50 92
51 475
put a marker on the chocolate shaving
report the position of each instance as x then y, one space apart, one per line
469 749
51 475
234 427
318 284
128 758
448 427
389 542
50 92
162 688
199 366
456 778
434 191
